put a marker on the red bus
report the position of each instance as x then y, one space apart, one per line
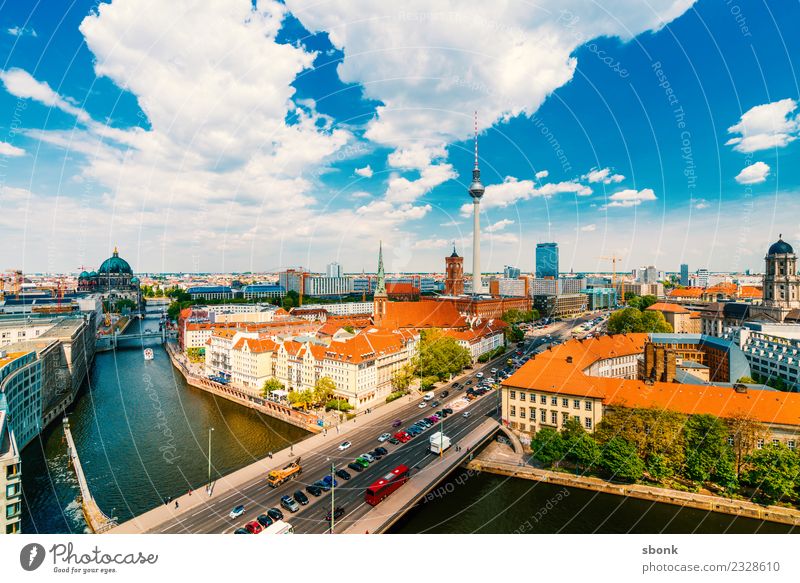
386 485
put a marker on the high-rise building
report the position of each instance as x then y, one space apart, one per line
684 274
650 274
454 269
333 269
701 279
511 272
476 191
547 260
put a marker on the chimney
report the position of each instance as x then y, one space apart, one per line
569 360
740 388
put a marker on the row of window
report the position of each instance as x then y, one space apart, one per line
565 402
543 416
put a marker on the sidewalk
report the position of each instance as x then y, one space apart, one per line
233 481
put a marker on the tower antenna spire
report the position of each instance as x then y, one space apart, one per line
476 139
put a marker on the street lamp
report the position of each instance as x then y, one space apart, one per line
210 429
333 496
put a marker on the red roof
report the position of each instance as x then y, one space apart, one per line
665 307
422 315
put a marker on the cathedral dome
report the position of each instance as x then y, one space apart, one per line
780 247
115 265
83 275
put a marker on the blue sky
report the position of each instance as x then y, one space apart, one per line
253 138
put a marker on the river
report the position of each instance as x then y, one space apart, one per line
142 435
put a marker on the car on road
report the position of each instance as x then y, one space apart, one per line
241 531
435 404
393 440
300 497
314 490
253 527
264 520
289 503
275 514
237 511
338 512
344 445
343 474
368 457
364 463
493 371
466 414
422 405
444 394
355 467
374 453
479 375
469 382
447 410
326 487
382 450
384 437
397 423
402 436
329 480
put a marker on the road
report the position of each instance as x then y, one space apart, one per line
257 496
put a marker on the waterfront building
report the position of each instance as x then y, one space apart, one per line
547 260
562 383
252 363
113 280
21 386
682 320
262 290
10 475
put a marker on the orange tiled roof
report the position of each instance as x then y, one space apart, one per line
334 324
422 315
749 291
256 345
665 307
368 345
686 292
550 372
401 288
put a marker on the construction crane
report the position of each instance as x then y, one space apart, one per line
613 259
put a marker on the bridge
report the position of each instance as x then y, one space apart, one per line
112 341
97 520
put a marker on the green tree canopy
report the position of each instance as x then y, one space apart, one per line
440 355
270 385
630 320
708 456
548 446
514 316
775 472
323 389
620 460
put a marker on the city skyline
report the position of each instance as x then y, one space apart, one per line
614 148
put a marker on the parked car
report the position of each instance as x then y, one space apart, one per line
447 410
343 474
344 445
314 490
384 437
289 503
469 382
237 511
422 405
326 487
364 463
253 527
264 520
393 440
355 467
368 457
402 436
376 454
275 514
241 531
382 450
300 497
328 480
397 423
435 404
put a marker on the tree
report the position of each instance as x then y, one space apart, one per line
579 447
440 355
338 405
746 380
270 385
708 456
775 472
323 389
548 446
630 320
402 378
746 432
514 334
514 316
620 460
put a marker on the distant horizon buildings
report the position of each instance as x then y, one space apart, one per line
333 269
547 260
685 274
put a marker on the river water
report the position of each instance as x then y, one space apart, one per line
142 435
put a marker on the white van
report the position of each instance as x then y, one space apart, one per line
428 396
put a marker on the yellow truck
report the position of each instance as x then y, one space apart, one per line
277 477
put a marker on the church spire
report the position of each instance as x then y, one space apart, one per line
380 288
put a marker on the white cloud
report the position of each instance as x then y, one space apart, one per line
366 171
512 191
771 125
21 84
498 226
753 174
589 228
701 204
429 244
630 197
603 175
542 174
402 190
453 223
21 31
432 66
10 150
360 194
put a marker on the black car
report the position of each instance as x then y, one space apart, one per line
343 474
376 453
275 514
314 490
264 520
456 385
301 498
443 394
243 531
393 440
435 404
338 512
355 467
447 410
382 450
469 382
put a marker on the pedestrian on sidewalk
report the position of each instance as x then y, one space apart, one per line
190 491
176 503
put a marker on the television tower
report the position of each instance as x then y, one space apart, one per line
476 192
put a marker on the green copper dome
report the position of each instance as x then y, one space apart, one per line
83 275
115 265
